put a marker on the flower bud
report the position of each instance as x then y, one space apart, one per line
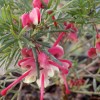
35 16
38 3
92 53
25 20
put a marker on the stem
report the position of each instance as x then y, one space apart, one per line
59 38
19 91
36 61
88 66
86 92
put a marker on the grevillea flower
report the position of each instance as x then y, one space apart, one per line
70 26
92 53
47 68
47 71
35 16
25 20
26 53
38 3
97 45
73 37
66 64
28 64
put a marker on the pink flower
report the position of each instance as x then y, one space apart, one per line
73 37
25 20
29 76
56 51
38 3
48 67
35 16
97 36
47 71
97 46
26 53
70 26
92 53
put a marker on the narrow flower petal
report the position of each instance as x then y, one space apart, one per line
4 91
26 62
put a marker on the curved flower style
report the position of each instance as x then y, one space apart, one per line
25 20
38 3
4 91
28 64
35 16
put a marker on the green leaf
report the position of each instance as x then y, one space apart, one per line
22 32
36 61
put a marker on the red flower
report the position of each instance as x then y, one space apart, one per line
38 3
26 53
92 53
57 51
25 20
73 37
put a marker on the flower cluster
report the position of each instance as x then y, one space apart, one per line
34 16
77 82
47 66
93 52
